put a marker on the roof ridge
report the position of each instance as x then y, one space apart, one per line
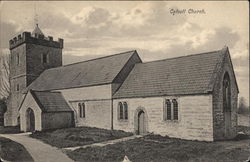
45 91
172 58
99 58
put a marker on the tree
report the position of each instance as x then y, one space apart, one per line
4 75
3 105
243 108
4 84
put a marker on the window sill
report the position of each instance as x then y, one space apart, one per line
171 121
123 120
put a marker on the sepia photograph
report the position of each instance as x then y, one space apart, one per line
124 81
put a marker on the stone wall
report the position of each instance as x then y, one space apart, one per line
15 99
97 100
52 120
195 116
18 69
218 113
30 66
17 77
97 113
35 66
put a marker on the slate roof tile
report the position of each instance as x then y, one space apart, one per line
87 73
189 74
50 101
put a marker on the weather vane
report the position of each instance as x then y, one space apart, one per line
35 15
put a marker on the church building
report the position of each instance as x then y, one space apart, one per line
190 97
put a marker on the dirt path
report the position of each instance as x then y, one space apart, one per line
39 151
101 144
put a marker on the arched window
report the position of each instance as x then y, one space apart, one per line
120 110
81 107
168 109
226 93
123 110
175 109
125 107
83 110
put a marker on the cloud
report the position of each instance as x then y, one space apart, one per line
7 32
96 29
69 59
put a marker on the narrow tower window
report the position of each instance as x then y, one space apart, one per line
45 58
17 87
17 59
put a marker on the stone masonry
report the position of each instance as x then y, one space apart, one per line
26 65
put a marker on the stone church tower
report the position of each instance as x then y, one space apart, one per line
30 55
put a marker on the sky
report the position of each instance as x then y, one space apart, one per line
92 29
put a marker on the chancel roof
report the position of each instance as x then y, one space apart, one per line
191 74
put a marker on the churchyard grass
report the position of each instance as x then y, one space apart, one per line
69 137
13 151
157 148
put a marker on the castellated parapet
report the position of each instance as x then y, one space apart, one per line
26 37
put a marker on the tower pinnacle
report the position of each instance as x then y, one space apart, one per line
37 31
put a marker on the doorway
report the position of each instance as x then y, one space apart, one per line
141 122
30 120
227 124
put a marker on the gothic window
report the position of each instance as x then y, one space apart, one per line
125 106
83 110
120 110
175 109
81 107
170 110
123 110
226 93
167 110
